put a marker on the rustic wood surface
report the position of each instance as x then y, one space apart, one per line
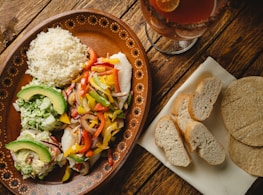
236 42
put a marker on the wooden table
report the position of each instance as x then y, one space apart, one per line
236 42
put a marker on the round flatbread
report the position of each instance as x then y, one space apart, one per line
242 110
248 158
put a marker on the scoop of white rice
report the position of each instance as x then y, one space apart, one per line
56 57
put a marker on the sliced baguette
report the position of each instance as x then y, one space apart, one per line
180 111
168 137
201 140
203 98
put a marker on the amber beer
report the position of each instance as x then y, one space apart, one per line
181 23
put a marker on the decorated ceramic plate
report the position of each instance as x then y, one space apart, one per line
105 34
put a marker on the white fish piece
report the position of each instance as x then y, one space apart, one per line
125 76
69 138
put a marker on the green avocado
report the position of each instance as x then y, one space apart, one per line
40 149
56 98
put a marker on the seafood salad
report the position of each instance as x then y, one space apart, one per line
90 111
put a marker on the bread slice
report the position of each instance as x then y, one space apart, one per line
201 140
180 111
204 97
248 158
168 137
242 110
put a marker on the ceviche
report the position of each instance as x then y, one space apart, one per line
90 110
98 101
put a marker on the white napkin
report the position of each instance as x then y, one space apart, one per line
213 180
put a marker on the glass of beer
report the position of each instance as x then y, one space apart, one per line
183 21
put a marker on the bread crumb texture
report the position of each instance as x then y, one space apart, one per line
168 137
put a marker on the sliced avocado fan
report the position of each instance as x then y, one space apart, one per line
40 149
56 98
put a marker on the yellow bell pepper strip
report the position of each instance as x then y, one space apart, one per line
117 113
98 68
98 150
81 110
111 60
91 101
92 58
106 91
99 98
107 133
72 150
64 118
102 124
87 142
67 174
100 108
116 80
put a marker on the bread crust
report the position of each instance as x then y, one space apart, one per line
169 138
203 98
201 140
180 111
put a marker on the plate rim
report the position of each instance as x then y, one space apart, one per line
39 27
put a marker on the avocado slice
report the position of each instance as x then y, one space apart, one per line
37 147
56 98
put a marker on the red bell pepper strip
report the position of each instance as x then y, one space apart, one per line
100 108
110 158
116 80
102 124
92 58
104 64
87 142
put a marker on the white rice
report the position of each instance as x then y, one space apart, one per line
56 57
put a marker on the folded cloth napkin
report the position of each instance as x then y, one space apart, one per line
213 180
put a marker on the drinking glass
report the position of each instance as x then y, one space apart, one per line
183 21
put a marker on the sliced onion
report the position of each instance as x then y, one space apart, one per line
118 94
85 104
72 98
51 145
78 95
84 123
84 168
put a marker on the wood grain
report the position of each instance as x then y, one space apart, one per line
235 42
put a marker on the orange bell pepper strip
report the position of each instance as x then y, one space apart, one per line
92 58
102 124
87 142
89 153
116 80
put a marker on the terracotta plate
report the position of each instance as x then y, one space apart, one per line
106 34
